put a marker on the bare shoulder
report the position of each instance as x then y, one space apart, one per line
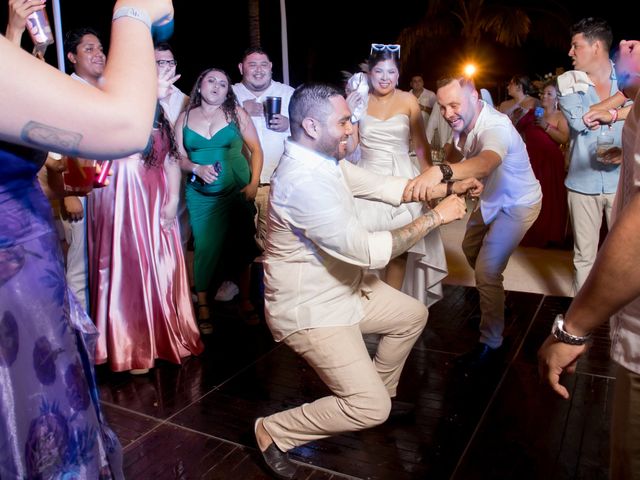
406 96
529 102
558 116
506 105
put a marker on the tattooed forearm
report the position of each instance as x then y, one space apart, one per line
403 238
50 138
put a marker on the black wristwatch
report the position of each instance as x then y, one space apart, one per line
447 173
560 334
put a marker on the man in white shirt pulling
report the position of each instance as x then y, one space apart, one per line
318 299
486 145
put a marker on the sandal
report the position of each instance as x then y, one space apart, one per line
204 324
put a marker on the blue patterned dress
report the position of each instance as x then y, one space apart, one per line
51 426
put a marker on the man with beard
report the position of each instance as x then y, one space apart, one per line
318 299
486 146
612 289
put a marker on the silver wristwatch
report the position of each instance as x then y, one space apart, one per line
560 334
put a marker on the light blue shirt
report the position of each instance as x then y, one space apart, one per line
586 174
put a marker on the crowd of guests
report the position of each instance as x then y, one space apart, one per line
348 247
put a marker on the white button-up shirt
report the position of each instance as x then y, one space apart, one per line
316 248
513 182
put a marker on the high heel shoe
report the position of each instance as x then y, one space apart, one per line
204 323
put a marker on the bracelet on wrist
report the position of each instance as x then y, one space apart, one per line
193 170
449 188
439 215
614 115
132 12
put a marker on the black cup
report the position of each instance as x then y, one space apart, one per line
272 107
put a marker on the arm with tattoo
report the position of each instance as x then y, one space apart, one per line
451 208
403 238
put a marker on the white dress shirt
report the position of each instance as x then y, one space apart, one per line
272 142
316 249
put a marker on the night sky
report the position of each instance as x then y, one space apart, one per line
329 36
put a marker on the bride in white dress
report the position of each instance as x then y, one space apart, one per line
392 118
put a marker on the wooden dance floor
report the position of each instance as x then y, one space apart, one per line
196 421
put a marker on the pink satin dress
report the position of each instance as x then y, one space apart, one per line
139 287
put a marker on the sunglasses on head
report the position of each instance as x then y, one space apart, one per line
381 47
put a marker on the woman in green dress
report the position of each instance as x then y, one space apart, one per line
211 134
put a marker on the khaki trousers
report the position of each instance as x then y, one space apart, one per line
262 203
585 213
488 249
362 389
625 426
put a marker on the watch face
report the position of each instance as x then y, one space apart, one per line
561 335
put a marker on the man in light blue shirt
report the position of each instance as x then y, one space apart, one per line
591 183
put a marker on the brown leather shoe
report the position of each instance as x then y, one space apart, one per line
276 460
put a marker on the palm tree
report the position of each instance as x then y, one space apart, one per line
254 23
475 21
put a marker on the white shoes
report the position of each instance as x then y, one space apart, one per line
227 291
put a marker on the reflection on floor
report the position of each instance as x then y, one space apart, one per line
195 421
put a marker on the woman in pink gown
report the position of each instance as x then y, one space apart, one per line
140 295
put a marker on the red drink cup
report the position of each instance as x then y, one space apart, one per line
79 174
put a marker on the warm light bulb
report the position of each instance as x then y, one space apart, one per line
469 69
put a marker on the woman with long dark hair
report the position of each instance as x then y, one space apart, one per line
139 287
211 133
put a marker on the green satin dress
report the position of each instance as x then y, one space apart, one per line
221 219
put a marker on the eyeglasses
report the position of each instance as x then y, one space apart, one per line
393 48
166 63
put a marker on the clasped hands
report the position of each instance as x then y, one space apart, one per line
423 187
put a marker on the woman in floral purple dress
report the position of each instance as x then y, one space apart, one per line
51 426
50 421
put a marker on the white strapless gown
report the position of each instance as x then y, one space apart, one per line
384 149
